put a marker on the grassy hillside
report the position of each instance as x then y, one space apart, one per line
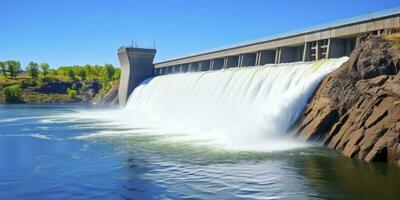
66 84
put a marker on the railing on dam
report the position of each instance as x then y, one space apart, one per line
328 40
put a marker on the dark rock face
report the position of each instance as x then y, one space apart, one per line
356 109
89 92
52 87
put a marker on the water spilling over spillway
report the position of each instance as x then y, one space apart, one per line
248 108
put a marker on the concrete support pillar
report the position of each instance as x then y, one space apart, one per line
258 58
277 55
266 57
248 59
225 65
307 51
317 53
136 66
233 61
212 64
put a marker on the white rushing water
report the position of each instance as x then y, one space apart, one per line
248 108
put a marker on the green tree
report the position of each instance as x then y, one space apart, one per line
70 73
45 69
117 74
33 70
14 67
13 94
82 73
53 72
3 68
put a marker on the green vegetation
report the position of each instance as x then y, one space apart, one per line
45 69
394 38
13 94
72 94
13 67
40 83
33 70
3 68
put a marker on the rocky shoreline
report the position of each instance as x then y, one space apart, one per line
356 109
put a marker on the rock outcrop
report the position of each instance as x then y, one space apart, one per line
356 109
109 99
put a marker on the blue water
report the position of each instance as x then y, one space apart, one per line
41 158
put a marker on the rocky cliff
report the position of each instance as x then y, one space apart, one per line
356 109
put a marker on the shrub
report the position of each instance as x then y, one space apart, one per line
106 87
72 94
13 94
395 38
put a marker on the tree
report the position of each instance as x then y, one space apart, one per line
45 69
70 73
33 70
14 67
3 68
117 74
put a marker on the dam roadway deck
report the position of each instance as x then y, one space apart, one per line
331 40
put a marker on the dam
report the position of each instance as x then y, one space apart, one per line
332 40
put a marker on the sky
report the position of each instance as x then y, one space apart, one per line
77 32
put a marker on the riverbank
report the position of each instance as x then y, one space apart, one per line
54 90
356 109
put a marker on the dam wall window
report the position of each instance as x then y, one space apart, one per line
169 70
194 67
339 47
184 68
266 57
314 50
162 70
218 63
177 69
158 71
248 59
324 44
232 61
204 65
289 54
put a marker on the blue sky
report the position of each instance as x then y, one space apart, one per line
67 32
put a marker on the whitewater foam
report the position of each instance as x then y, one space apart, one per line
237 109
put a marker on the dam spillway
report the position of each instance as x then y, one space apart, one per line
239 108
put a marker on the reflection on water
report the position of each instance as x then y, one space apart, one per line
41 159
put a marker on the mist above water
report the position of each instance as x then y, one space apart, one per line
249 109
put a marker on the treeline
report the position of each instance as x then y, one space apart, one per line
104 73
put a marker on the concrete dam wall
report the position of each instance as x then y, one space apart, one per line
333 40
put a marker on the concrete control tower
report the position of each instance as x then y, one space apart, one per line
136 66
